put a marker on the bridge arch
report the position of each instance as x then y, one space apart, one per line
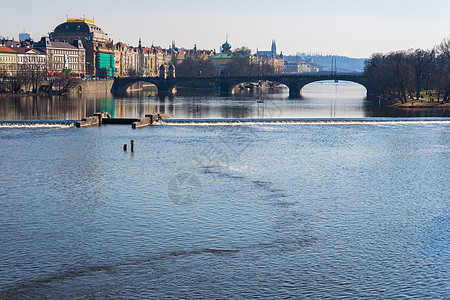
330 89
295 83
245 85
334 81
121 85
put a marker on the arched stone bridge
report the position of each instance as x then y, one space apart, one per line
294 82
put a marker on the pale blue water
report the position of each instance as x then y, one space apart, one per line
275 210
330 209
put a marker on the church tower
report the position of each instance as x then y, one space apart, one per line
274 48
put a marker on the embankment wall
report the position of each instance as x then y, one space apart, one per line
93 86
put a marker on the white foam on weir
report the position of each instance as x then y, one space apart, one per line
35 125
366 121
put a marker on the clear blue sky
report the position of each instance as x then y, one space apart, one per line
346 27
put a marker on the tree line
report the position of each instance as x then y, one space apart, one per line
403 75
30 77
239 65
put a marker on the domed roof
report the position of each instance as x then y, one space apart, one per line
226 47
77 27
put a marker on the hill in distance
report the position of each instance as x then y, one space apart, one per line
324 62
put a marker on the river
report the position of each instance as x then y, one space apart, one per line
320 100
326 201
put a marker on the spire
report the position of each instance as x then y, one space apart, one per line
274 48
140 43
226 47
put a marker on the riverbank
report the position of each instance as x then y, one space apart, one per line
82 86
421 104
427 100
5 95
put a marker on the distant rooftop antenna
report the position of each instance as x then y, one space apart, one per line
332 65
335 66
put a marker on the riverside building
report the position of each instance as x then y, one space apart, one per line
29 58
8 61
99 49
62 56
221 60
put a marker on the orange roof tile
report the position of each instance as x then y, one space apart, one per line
6 49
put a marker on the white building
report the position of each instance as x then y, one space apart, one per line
63 56
34 59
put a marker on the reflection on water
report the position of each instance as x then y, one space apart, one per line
318 100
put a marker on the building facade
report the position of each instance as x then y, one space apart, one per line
221 60
141 61
276 61
24 36
8 61
153 59
30 59
299 67
62 56
99 49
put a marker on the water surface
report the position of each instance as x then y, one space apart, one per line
226 210
320 100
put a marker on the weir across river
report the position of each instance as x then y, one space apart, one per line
99 119
226 83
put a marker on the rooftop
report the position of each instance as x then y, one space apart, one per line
85 20
224 55
4 49
24 50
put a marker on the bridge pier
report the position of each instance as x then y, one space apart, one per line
294 92
294 89
163 90
225 88
118 89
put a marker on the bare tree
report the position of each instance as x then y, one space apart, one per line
17 82
378 75
3 81
34 76
441 76
421 62
404 74
242 64
63 82
402 71
195 67
390 75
